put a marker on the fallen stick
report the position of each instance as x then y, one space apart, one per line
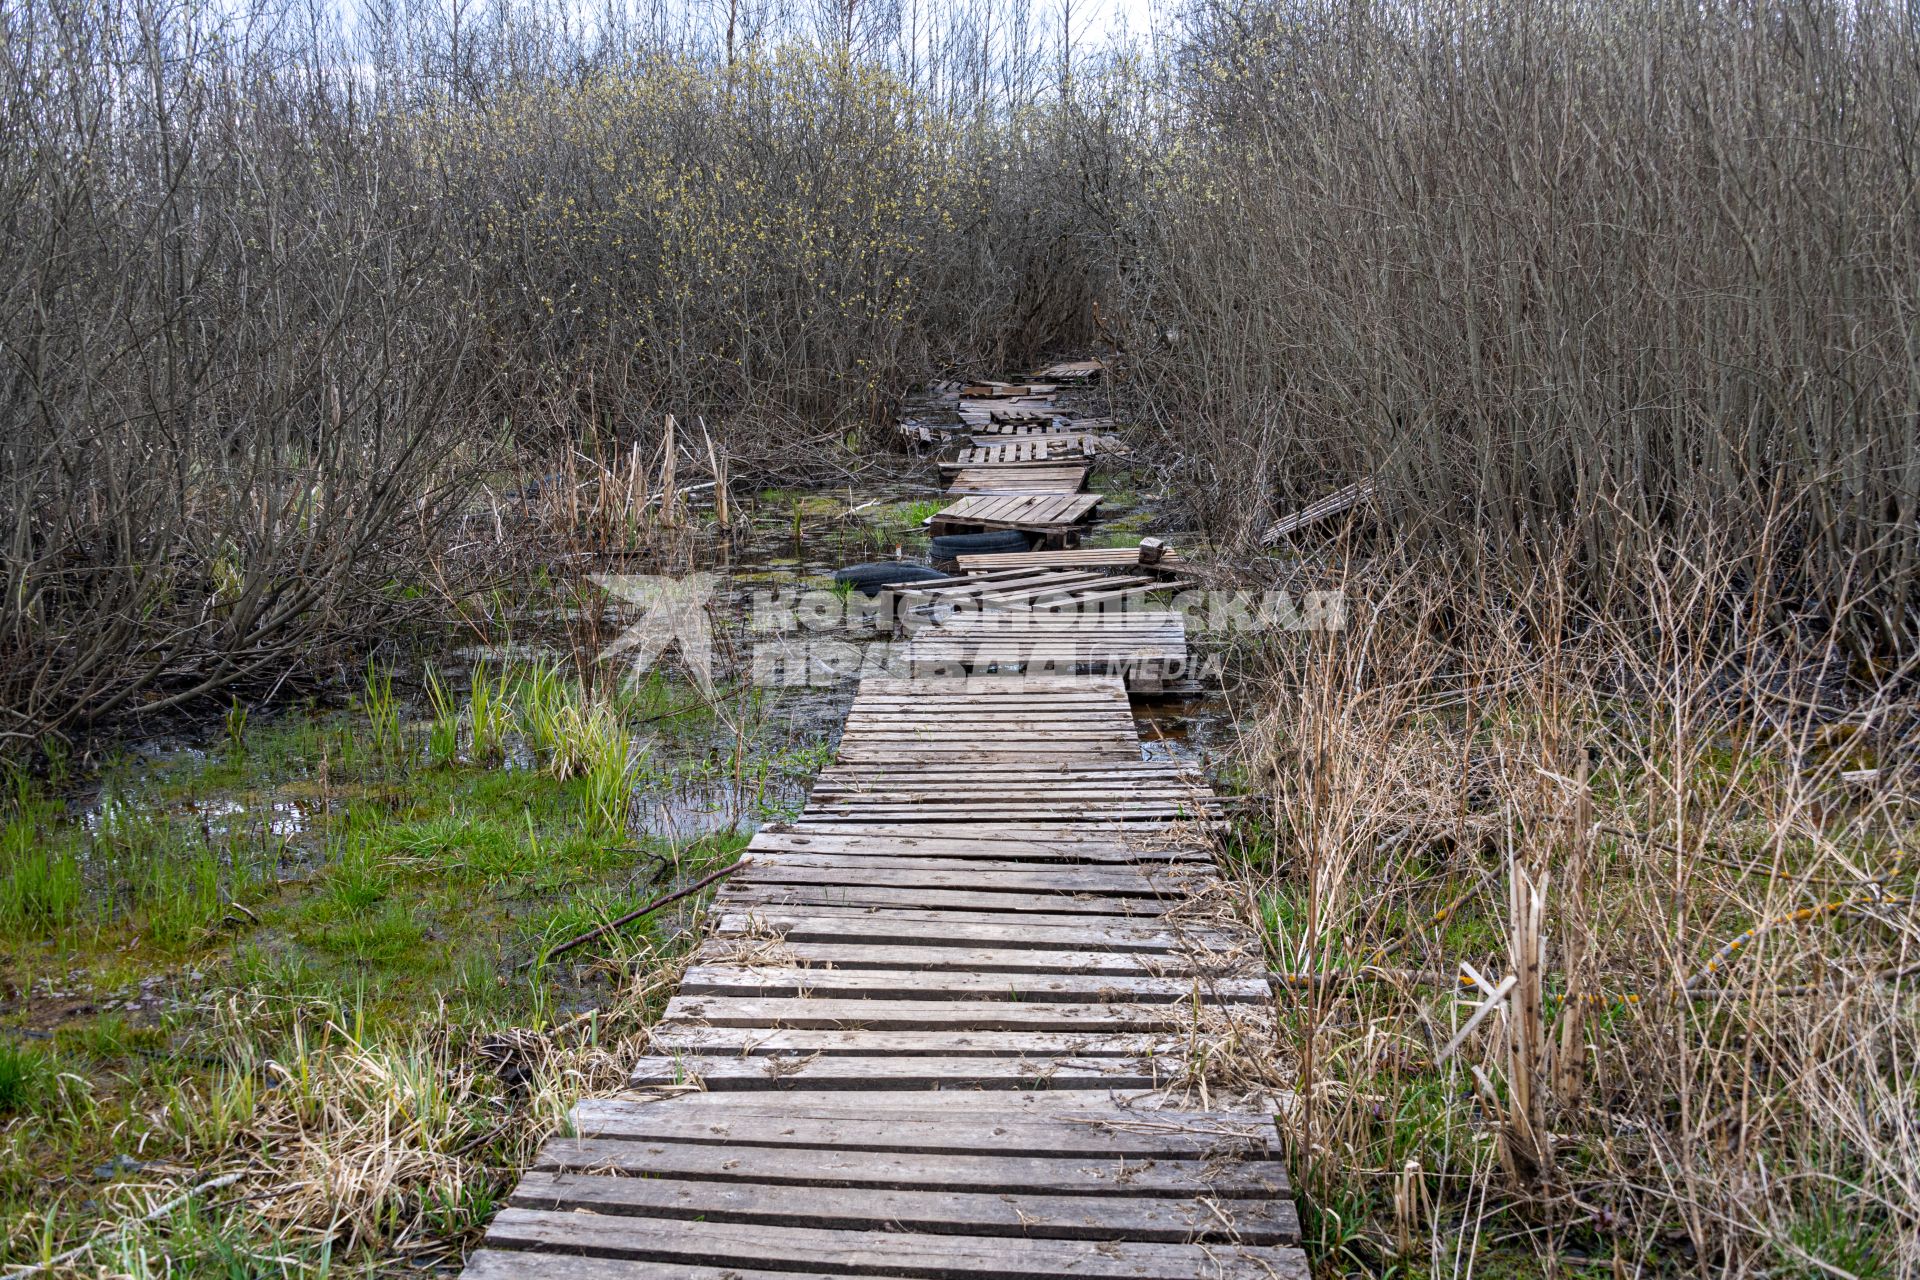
635 914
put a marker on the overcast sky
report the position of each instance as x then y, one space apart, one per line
1104 16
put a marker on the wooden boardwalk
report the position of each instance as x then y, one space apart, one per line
984 1010
1033 484
957 1019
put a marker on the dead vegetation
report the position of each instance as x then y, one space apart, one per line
285 294
1597 935
1584 855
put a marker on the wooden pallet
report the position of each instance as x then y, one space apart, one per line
1072 371
1031 451
1024 423
1058 477
1003 390
1022 451
983 411
940 1029
1066 438
1076 558
1053 515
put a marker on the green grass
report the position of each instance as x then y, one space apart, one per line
194 945
40 884
26 1077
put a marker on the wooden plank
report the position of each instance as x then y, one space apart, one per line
1082 1175
1218 1131
939 841
734 1073
1125 881
761 1042
1066 686
1075 558
1037 512
951 899
1064 837
943 928
1028 1215
1035 478
899 984
1031 1124
923 1015
1173 877
755 1245
517 1264
1077 370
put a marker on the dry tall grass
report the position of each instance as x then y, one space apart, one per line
1691 872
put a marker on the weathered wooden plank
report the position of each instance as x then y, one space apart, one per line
939 847
844 954
1070 558
1156 810
518 1264
1079 1175
911 1015
1066 686
932 927
955 899
1111 1110
1034 478
760 1042
1042 1124
1126 882
825 1071
1033 1216
1064 834
754 1245
900 984
1038 512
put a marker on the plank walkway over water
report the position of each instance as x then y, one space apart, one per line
1070 477
1032 451
957 1019
1044 513
1147 648
1024 482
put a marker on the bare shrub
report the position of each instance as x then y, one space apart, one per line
1560 265
273 297
232 381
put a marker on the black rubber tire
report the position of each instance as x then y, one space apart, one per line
993 542
869 578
